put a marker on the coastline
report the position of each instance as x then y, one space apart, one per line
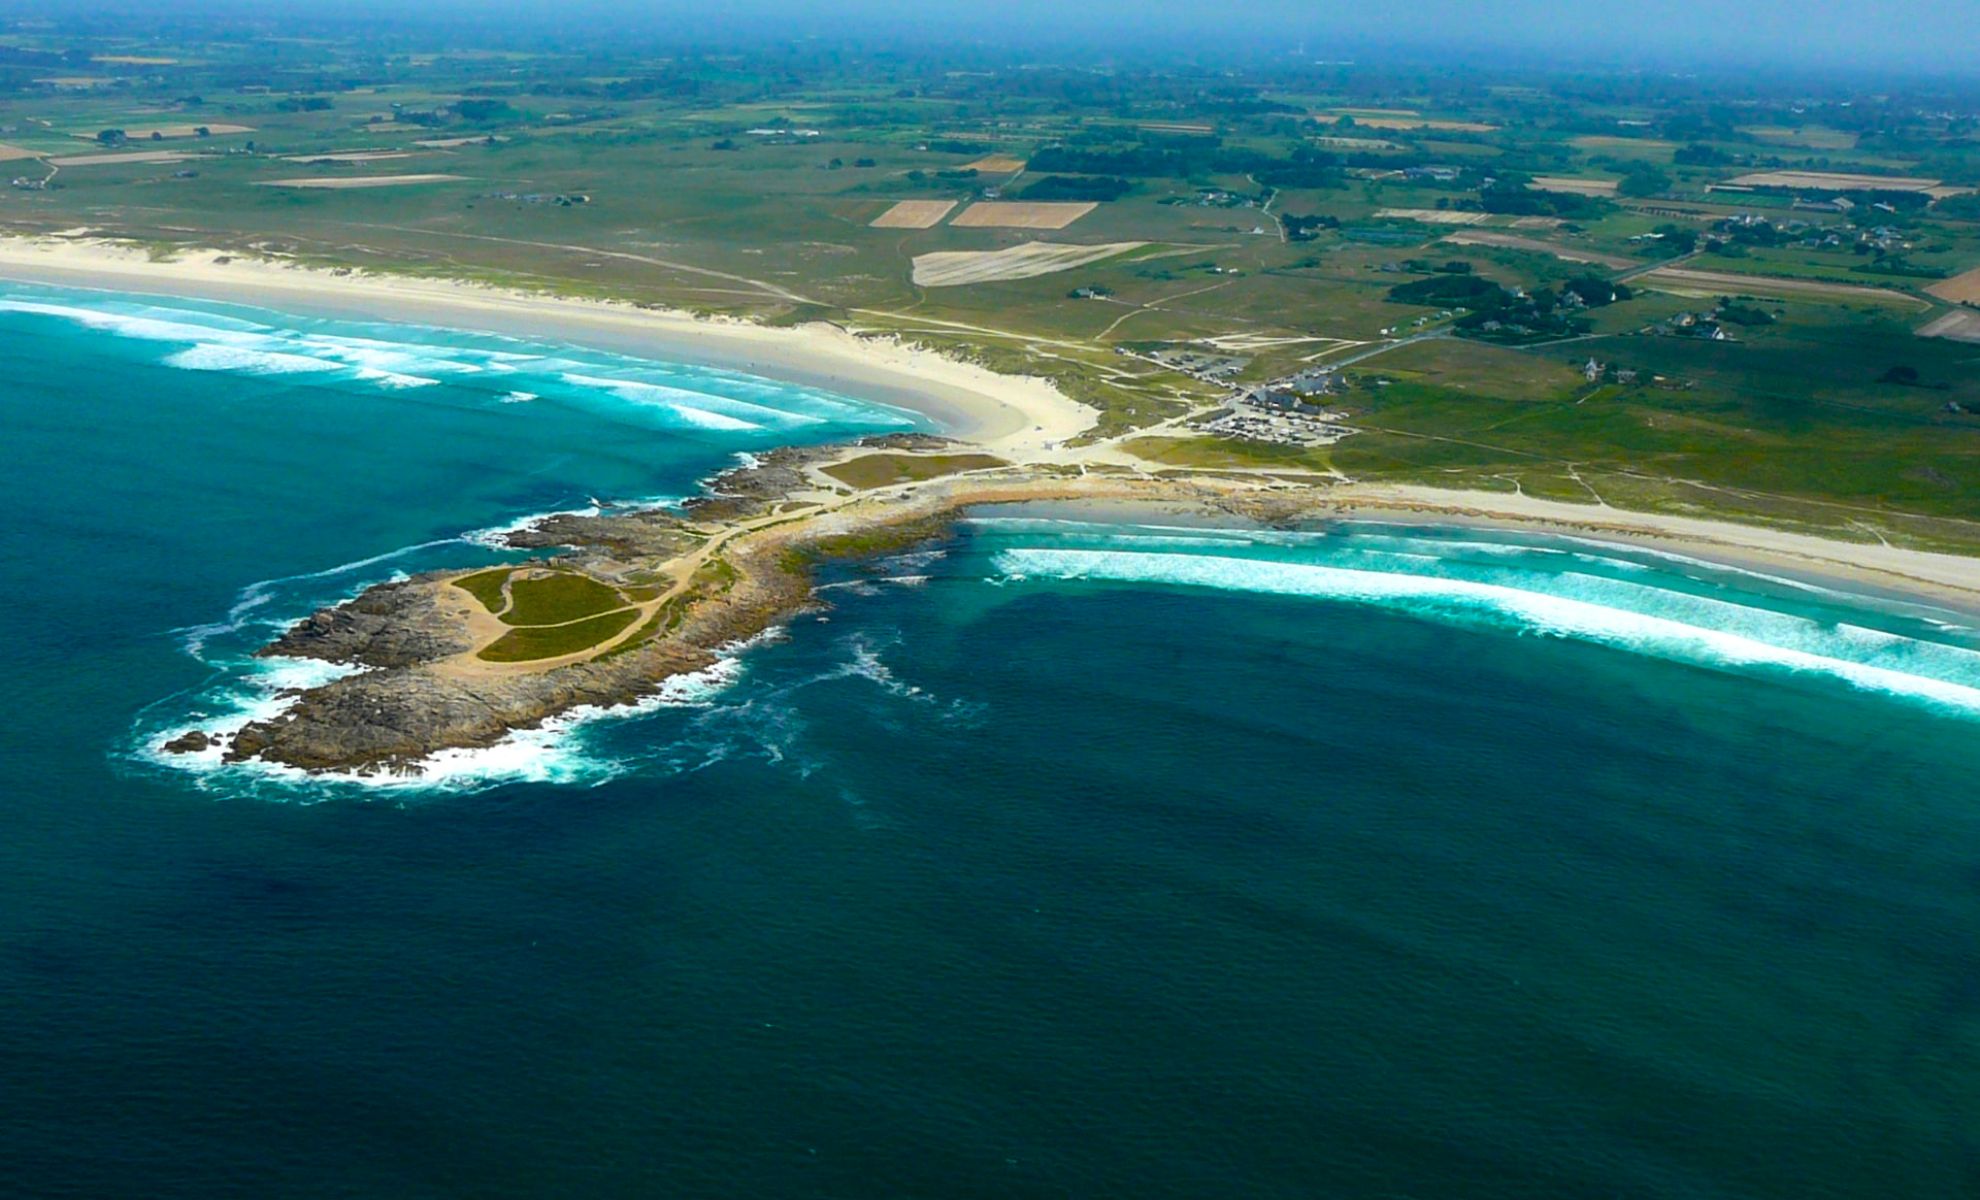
1008 414
1898 572
427 690
1024 419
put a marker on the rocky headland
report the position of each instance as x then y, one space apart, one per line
724 568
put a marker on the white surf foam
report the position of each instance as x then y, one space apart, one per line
553 752
707 409
246 360
266 689
140 325
1561 616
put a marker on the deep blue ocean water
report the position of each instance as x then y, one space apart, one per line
1068 858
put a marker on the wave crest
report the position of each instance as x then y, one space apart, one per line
1743 638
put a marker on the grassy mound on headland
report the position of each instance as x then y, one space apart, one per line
531 643
556 599
486 586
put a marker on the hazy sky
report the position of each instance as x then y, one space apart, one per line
1869 33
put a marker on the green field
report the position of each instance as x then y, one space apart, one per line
557 599
531 643
486 586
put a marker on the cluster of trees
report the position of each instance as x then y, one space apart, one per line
1676 239
1595 291
1456 266
1307 168
1735 313
304 104
1305 229
483 110
1498 313
1079 187
1699 155
1512 197
1643 179
1756 233
1964 208
1451 291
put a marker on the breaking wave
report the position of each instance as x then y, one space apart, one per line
497 369
1663 623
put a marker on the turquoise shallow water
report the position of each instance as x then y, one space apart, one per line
1067 858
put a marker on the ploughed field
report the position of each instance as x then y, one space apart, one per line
953 268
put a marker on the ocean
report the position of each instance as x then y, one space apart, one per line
1085 853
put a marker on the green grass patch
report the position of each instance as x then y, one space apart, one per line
881 470
532 643
486 586
555 599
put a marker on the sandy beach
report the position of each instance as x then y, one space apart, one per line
1945 578
1011 415
1021 418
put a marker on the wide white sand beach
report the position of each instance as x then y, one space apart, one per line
1015 416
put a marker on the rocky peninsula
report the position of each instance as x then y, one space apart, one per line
627 601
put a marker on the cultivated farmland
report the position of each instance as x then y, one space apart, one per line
1573 186
1960 326
914 214
1433 216
997 164
171 131
1960 289
1019 214
953 268
1834 181
106 160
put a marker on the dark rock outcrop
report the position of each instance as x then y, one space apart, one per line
390 718
189 743
639 533
391 625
